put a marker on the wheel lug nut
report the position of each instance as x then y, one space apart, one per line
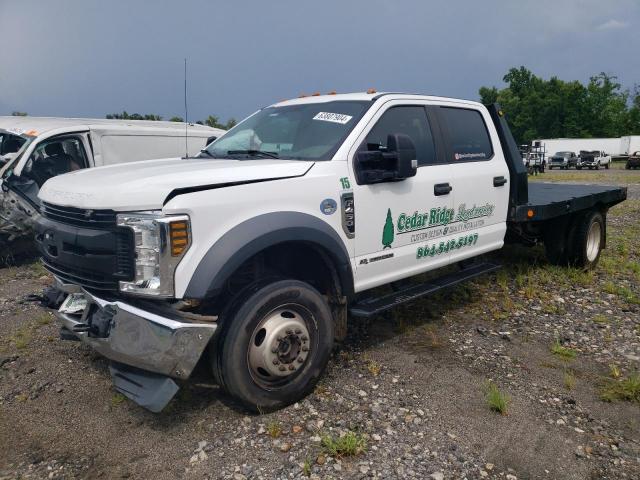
289 332
300 359
279 337
276 362
298 331
304 338
305 348
281 368
274 350
291 367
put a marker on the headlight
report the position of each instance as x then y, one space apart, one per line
160 243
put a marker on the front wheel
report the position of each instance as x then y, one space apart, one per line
275 342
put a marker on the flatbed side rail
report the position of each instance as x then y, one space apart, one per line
577 198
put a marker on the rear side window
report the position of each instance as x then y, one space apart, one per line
468 135
411 121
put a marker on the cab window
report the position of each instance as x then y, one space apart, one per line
409 120
468 137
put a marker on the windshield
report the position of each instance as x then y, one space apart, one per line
311 131
563 154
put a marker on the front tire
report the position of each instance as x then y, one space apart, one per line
275 342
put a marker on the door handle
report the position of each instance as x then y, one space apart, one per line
442 189
499 181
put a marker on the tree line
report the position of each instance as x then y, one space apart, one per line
554 108
211 120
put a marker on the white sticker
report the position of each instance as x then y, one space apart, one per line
333 117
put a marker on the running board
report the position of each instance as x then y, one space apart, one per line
369 307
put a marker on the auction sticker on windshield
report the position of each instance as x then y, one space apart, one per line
333 117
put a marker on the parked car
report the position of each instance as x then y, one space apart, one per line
35 149
594 159
563 160
257 251
633 161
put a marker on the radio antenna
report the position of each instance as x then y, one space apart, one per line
186 114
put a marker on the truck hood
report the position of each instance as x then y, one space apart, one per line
146 185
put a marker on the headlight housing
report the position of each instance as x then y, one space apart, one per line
160 243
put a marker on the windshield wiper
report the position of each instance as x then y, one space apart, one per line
253 153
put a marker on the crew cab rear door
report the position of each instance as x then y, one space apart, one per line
480 178
396 219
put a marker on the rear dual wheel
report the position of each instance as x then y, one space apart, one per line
275 342
580 244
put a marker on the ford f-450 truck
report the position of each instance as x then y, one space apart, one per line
253 256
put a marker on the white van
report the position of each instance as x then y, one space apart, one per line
34 149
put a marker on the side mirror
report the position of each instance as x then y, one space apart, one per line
397 163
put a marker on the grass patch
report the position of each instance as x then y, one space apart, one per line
37 269
614 371
374 367
569 380
117 399
22 338
601 319
626 389
274 429
497 401
306 467
43 319
350 444
563 352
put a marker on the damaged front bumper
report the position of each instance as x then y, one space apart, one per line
159 346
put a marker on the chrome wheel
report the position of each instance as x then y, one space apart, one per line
594 237
280 345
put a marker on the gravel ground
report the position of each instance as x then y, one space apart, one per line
408 388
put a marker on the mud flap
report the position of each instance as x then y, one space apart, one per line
149 390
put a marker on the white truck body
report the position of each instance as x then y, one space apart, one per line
258 248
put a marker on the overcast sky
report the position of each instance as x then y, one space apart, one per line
88 58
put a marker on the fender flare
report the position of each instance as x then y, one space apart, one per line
254 235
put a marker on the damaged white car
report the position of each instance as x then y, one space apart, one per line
34 149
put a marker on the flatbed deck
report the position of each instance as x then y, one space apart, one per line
551 200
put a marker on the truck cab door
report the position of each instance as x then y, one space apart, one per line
397 222
480 179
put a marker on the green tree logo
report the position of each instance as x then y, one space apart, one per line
387 231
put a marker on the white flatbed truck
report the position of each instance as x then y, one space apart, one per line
253 256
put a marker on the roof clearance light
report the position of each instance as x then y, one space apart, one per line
530 213
371 91
315 94
302 95
332 92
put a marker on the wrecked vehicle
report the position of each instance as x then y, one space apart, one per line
256 252
35 149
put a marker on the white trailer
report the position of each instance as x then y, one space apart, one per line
629 144
611 146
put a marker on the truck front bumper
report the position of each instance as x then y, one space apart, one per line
137 337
